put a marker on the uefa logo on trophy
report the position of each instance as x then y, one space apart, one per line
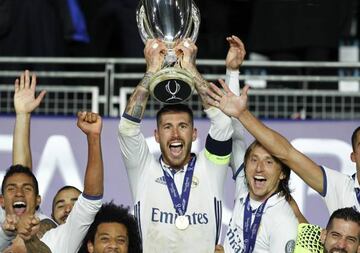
169 21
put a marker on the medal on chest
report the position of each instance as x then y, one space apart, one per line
180 202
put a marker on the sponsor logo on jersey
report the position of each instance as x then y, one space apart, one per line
160 216
234 238
161 180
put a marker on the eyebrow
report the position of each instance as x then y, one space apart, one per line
63 200
15 185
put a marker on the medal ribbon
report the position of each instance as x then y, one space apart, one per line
357 190
180 202
250 231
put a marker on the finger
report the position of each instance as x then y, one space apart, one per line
212 102
214 92
245 90
216 89
27 79
35 220
225 86
22 80
17 85
93 117
81 115
33 82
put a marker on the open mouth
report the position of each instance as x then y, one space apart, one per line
259 181
19 207
176 148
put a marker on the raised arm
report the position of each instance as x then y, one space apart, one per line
91 124
234 58
25 102
154 55
276 144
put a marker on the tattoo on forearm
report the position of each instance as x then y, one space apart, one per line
146 80
137 102
34 245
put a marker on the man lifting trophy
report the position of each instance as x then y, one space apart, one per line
169 21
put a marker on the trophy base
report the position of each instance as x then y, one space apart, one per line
171 85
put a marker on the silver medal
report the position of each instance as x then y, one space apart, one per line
182 222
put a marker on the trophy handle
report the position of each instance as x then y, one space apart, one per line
195 19
142 23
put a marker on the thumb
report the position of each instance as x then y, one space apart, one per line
40 97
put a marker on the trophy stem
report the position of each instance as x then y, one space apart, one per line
170 57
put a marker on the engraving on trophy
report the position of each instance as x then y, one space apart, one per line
173 93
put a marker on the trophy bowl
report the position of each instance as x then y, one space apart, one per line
170 21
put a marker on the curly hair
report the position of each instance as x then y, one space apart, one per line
109 212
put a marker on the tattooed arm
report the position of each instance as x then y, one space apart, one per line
154 55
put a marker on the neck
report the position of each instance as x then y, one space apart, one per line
261 198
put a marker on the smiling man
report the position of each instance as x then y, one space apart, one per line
177 196
113 230
262 219
342 233
20 192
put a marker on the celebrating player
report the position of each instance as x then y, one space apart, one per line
177 197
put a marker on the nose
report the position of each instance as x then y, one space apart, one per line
175 132
68 208
113 244
259 166
341 243
19 192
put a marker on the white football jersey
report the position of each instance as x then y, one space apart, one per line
339 190
153 206
278 227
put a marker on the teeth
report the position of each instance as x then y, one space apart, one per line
19 204
175 144
260 178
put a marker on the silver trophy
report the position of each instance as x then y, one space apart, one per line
169 21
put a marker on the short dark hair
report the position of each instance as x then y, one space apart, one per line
174 108
283 187
109 212
353 137
347 214
19 169
66 187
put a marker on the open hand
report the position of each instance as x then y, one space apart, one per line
24 97
226 100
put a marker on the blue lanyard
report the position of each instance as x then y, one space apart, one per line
180 202
250 231
357 190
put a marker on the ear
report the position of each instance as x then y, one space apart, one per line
90 247
156 134
352 157
194 135
282 175
2 201
323 236
38 200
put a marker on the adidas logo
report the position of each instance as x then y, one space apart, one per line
161 180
